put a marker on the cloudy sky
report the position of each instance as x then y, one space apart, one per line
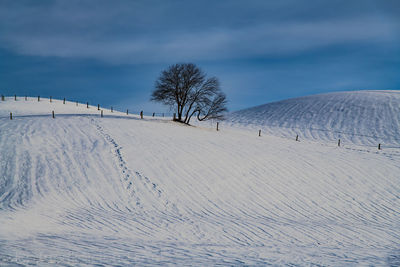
111 52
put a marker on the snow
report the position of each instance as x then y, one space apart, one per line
84 190
358 117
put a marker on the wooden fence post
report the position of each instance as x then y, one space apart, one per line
64 101
10 115
38 98
217 126
102 113
51 99
87 104
15 97
379 146
141 114
53 114
153 114
111 109
127 112
98 106
259 132
338 143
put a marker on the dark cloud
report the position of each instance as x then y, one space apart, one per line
163 31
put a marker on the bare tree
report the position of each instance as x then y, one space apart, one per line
184 87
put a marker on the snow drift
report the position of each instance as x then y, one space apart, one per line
85 190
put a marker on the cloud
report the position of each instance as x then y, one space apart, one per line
136 33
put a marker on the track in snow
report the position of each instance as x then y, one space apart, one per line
132 179
70 189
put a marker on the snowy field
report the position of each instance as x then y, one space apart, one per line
359 117
84 190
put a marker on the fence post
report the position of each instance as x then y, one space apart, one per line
259 132
174 116
26 97
141 114
98 106
297 137
15 97
51 99
87 104
64 101
217 126
379 146
10 115
127 112
111 109
102 113
338 143
76 103
38 98
53 114
2 97
153 114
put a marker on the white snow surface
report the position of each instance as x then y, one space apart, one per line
358 117
116 191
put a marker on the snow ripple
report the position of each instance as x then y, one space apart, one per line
85 190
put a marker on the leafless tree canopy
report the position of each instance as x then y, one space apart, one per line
184 87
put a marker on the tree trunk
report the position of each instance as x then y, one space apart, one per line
179 113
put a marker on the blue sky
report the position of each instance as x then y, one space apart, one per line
111 52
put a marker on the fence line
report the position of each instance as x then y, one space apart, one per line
167 114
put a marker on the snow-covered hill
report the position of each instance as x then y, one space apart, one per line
359 117
84 190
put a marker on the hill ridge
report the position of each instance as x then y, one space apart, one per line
359 117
